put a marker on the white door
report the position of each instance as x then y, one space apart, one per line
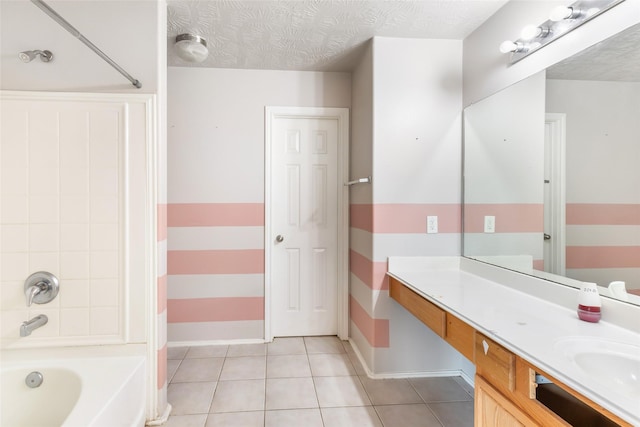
305 203
554 194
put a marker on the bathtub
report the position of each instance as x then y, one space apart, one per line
80 388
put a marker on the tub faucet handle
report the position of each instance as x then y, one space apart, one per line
34 290
41 288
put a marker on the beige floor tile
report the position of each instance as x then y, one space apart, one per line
340 391
186 421
240 350
293 418
361 416
417 415
290 393
323 345
190 398
454 414
176 352
390 391
237 396
192 370
439 389
465 385
288 366
207 351
236 419
244 368
280 346
331 365
172 367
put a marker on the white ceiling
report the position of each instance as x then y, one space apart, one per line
614 59
321 35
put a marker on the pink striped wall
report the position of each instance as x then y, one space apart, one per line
161 282
602 254
215 309
386 218
232 261
510 217
236 261
404 218
602 214
215 214
603 257
372 274
376 331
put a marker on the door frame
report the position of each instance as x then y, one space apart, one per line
556 125
342 116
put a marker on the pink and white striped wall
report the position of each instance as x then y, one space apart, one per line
406 134
215 213
603 178
215 265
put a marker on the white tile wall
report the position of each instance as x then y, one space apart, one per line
62 191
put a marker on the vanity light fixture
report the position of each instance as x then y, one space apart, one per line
562 20
191 48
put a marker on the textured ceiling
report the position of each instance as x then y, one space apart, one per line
322 35
615 59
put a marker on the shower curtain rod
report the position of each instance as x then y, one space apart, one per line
60 20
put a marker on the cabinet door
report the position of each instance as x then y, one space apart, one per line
492 409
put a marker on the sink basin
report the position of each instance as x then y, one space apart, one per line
613 364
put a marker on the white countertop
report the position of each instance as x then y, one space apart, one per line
526 325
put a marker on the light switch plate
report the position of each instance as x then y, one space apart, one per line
489 224
432 224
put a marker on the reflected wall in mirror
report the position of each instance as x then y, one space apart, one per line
552 170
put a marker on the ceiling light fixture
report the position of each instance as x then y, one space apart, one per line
191 48
563 19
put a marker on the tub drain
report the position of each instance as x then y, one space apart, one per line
34 379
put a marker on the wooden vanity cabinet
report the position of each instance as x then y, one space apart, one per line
505 385
492 409
428 313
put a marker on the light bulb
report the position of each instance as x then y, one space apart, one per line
561 13
509 46
530 32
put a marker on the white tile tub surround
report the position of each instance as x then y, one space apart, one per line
76 179
113 395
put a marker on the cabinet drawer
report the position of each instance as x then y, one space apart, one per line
428 313
495 363
460 336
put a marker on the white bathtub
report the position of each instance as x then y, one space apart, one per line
81 388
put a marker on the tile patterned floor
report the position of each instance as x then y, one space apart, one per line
304 382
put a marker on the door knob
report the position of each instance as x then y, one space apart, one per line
279 238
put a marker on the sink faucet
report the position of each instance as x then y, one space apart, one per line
30 325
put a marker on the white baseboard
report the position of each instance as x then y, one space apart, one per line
162 419
214 342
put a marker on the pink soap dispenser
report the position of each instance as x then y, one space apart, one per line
589 303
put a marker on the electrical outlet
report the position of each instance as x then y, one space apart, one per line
489 224
432 224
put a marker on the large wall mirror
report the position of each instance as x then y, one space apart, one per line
552 170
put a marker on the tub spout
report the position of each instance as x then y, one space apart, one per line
30 325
